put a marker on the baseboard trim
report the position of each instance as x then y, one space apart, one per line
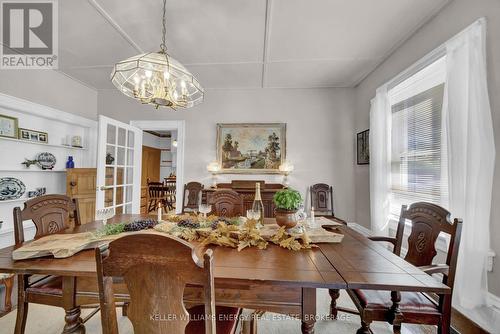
361 229
493 301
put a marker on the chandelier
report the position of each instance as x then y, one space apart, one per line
158 79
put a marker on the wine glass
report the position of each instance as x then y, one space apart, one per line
204 209
104 214
253 214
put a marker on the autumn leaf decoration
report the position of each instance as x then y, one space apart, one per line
223 235
250 236
285 240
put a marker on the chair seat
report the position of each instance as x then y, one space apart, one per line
411 302
226 319
48 285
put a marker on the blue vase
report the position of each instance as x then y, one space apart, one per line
70 163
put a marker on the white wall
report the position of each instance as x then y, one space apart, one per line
50 88
451 20
319 132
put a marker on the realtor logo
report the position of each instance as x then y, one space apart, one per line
29 34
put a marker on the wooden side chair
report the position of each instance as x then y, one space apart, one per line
156 273
428 221
192 196
50 214
156 194
226 203
322 201
7 280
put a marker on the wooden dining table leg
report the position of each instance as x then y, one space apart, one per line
308 315
74 323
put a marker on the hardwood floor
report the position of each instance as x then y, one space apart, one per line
272 326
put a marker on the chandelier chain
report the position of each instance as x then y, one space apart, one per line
163 45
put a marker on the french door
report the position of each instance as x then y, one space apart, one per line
119 152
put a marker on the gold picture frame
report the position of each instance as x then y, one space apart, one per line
251 148
8 126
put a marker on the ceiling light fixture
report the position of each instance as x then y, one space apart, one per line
158 79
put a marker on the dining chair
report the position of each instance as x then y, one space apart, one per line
7 280
192 196
171 196
427 222
156 194
50 214
322 201
226 203
156 269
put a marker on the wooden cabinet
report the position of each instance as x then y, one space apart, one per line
247 190
81 184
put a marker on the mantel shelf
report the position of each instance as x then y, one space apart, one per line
42 144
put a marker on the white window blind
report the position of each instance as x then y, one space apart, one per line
418 158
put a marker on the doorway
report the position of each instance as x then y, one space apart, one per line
162 158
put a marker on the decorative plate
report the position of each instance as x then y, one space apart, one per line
46 160
11 188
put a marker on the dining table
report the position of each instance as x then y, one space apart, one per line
274 279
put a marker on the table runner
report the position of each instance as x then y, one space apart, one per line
66 245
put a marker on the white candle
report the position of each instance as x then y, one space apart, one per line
159 212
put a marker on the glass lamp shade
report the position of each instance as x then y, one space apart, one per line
213 167
286 167
158 79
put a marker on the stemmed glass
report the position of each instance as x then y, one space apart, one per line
104 214
204 209
253 214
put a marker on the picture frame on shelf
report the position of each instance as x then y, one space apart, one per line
8 126
363 147
33 135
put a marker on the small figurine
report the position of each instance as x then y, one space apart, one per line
28 162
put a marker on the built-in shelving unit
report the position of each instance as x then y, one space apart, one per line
22 199
60 127
33 170
42 144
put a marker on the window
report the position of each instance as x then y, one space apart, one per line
418 156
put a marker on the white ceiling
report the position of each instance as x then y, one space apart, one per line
241 43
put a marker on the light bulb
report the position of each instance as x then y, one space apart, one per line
148 74
166 75
137 79
183 84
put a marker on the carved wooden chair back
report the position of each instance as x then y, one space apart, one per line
428 221
192 196
322 199
155 272
50 214
157 193
226 203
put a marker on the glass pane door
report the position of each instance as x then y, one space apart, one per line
118 166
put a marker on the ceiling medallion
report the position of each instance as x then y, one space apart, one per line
158 79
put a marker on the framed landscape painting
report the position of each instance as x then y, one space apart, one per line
253 148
